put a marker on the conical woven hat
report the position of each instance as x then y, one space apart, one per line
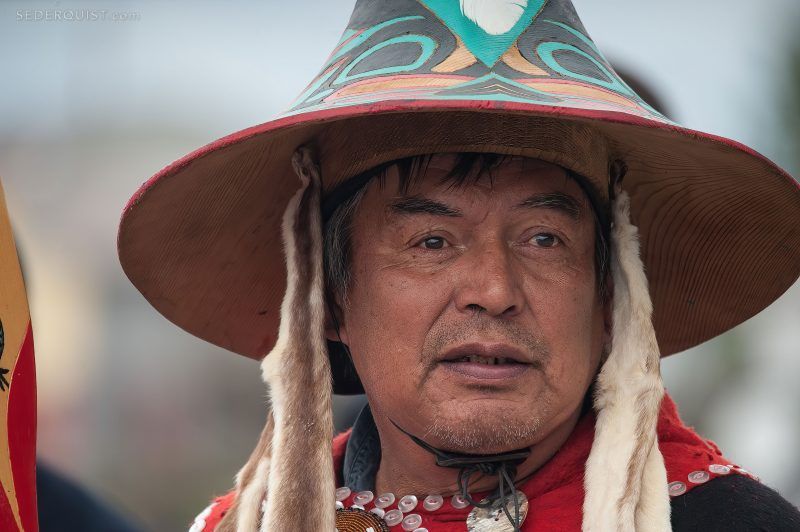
720 224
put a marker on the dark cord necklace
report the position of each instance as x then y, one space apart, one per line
503 465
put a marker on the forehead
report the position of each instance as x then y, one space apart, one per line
507 178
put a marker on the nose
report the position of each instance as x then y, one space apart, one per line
489 283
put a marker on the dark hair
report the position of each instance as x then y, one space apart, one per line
340 205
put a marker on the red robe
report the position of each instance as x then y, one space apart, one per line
555 491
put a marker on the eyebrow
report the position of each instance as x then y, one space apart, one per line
548 200
553 200
420 205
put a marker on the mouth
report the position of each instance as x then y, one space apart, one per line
489 361
486 362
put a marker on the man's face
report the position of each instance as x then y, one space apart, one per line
474 319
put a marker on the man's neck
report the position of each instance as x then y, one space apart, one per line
406 468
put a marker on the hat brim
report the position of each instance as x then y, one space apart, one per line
719 227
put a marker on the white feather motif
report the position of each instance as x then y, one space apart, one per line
495 17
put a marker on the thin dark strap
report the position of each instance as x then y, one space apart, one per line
504 465
459 460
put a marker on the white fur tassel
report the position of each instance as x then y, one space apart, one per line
625 481
251 486
495 17
297 371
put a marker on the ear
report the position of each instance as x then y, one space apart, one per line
335 328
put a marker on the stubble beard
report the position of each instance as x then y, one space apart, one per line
484 431
487 428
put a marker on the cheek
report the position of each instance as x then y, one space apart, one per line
566 309
561 292
390 314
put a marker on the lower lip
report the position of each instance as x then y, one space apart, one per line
476 370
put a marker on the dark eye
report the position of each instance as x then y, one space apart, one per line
432 242
545 240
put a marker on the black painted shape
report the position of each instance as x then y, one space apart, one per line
4 384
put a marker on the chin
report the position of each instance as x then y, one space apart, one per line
488 429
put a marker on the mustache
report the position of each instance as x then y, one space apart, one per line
483 329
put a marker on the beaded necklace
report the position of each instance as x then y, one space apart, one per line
368 513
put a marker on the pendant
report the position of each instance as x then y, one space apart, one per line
494 519
355 520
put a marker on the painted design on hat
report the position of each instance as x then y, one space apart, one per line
488 29
445 50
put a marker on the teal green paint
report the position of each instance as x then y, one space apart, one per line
486 47
491 97
316 84
367 34
478 97
546 51
534 95
577 34
321 94
427 44
346 35
615 82
627 90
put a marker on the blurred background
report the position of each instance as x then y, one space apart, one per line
156 421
